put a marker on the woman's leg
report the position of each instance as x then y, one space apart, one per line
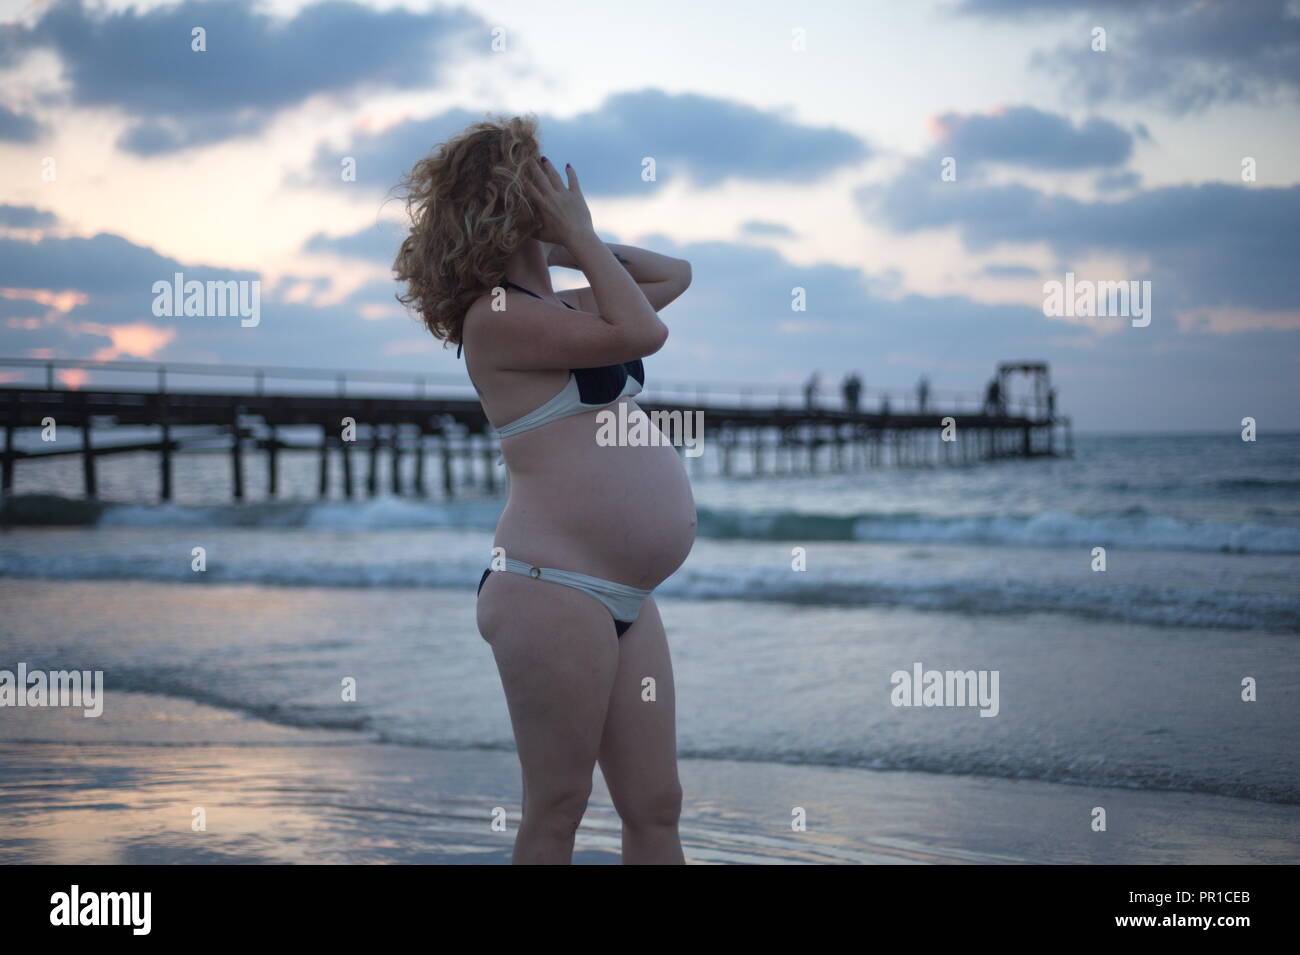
638 753
557 653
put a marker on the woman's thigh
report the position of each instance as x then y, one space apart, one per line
557 654
638 752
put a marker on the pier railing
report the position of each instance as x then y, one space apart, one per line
276 379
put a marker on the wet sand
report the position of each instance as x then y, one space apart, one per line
122 789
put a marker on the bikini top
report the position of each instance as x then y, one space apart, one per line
586 389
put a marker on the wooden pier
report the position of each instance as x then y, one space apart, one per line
445 441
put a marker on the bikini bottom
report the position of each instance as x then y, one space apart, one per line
622 602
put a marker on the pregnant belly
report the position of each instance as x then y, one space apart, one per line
622 513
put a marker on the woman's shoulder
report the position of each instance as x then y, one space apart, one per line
482 302
481 315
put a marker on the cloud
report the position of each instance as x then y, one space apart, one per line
1119 181
996 271
134 340
1207 245
738 306
253 66
1161 377
17 128
701 139
757 227
1028 137
1181 56
105 266
377 243
88 297
93 297
25 217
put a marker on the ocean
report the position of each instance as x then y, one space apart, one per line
802 597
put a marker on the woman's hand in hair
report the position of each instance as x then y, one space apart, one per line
563 216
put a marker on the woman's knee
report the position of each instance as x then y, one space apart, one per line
655 807
557 807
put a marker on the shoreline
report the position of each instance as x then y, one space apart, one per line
274 794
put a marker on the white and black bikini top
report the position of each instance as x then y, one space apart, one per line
586 389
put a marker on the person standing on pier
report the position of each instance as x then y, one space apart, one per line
810 390
591 526
993 399
922 394
852 392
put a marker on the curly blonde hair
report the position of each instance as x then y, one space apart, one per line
469 213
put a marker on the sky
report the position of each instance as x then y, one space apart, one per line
921 170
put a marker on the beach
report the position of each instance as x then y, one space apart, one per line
290 776
309 673
277 795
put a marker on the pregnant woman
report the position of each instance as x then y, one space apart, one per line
590 529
